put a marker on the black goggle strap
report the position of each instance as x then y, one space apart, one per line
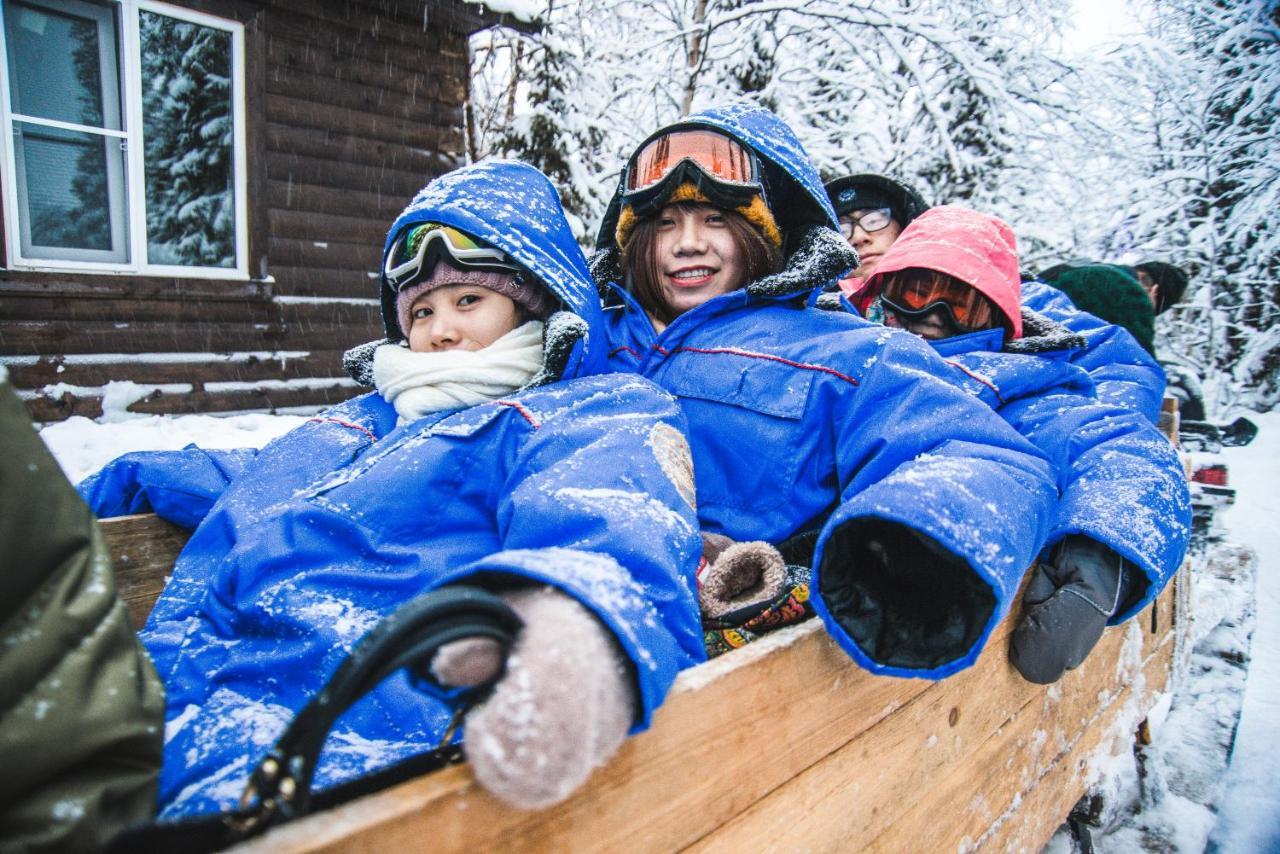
723 194
920 313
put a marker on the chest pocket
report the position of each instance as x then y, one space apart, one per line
746 426
406 481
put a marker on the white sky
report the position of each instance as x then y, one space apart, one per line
1099 22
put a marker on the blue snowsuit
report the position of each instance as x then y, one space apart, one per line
809 421
582 482
1121 482
1125 374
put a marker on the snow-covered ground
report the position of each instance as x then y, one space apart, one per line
1158 803
1250 811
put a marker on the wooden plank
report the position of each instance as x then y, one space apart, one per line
732 732
306 225
329 251
806 695
326 281
987 711
319 363
86 286
445 82
345 148
425 105
445 137
128 310
294 195
143 549
301 169
48 338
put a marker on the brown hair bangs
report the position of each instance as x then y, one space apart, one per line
642 271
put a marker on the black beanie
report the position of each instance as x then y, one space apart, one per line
868 191
1171 282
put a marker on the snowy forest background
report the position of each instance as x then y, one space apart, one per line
1165 147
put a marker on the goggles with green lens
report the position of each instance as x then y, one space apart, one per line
418 249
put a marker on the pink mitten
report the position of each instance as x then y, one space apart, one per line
561 710
738 575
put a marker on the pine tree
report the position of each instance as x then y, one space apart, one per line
187 126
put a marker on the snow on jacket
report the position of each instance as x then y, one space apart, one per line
1125 374
807 420
1121 482
308 544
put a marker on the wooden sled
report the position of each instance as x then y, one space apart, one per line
783 745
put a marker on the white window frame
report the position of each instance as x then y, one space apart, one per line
135 167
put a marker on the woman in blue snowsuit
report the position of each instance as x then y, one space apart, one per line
1123 518
809 424
567 477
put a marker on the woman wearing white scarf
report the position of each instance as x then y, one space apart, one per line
419 383
471 336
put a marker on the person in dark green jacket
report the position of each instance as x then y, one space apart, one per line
81 708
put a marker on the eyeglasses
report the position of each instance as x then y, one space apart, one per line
726 171
872 220
418 249
914 293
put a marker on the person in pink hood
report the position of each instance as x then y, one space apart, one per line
1124 511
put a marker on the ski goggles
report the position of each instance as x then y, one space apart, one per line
418 249
914 293
723 169
873 220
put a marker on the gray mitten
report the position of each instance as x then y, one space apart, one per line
561 710
737 577
1067 604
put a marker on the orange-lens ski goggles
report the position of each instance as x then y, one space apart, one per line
718 156
916 292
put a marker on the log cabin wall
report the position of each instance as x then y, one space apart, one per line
350 108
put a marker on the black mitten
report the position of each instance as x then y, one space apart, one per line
1066 606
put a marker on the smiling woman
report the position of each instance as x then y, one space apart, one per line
691 252
812 430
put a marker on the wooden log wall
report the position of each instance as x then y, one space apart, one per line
350 109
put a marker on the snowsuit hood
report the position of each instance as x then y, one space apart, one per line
792 187
513 207
978 249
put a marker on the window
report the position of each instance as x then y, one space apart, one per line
124 138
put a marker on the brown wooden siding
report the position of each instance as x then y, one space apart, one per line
350 109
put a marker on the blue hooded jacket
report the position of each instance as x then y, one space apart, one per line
582 482
819 424
1121 482
1125 374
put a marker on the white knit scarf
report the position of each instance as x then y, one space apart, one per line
421 383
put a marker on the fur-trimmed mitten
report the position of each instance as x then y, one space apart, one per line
562 708
738 579
1068 601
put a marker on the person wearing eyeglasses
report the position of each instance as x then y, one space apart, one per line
1123 518
1123 371
813 430
496 450
873 210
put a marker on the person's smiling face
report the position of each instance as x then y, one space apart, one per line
460 317
698 256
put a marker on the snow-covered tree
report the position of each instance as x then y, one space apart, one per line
187 126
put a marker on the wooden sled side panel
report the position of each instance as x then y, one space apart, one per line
143 549
785 743
788 744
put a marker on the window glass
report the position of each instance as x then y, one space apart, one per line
188 134
56 65
65 174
